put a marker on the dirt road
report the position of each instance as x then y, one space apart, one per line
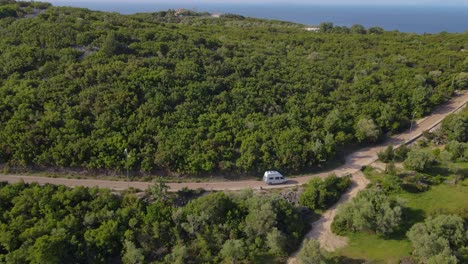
354 162
321 229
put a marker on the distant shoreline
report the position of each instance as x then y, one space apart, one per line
411 19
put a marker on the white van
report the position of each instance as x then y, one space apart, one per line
273 177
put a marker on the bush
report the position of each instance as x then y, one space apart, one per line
391 183
457 149
311 253
438 238
419 160
461 81
401 153
387 155
390 169
455 126
321 194
371 210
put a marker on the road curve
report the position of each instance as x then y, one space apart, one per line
354 162
321 229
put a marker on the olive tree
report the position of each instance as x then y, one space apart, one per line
311 253
370 210
438 239
419 160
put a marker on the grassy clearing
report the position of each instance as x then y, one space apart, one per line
463 165
375 248
442 198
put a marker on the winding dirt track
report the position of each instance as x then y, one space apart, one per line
321 229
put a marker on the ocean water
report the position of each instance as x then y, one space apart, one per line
418 19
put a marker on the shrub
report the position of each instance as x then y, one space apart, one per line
455 126
457 149
370 210
311 253
391 183
387 155
401 153
438 238
419 160
391 169
320 194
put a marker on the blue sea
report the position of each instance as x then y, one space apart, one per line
410 18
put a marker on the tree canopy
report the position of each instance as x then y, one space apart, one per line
190 93
371 210
311 253
320 194
56 224
439 239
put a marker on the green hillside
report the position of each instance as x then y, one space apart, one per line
193 94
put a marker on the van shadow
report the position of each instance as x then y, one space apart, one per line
291 182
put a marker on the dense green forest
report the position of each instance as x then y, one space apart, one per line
56 224
188 93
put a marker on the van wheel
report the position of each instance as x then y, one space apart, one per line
269 183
